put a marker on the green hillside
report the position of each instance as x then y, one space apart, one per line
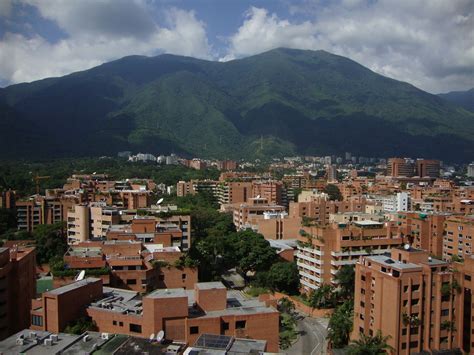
280 102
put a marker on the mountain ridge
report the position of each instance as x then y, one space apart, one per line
294 101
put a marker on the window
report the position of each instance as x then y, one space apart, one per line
467 277
362 304
413 344
37 320
240 324
183 276
415 287
404 331
131 282
135 328
404 345
361 330
225 325
445 312
415 301
405 288
121 324
114 322
194 330
362 277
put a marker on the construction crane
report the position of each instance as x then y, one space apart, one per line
37 180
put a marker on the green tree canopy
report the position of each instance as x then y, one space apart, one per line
323 297
370 345
7 220
340 325
333 192
346 281
50 242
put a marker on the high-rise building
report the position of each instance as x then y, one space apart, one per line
428 168
422 303
470 170
398 167
322 251
17 288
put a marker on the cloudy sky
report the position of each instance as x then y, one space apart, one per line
429 43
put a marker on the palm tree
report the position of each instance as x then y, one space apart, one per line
370 345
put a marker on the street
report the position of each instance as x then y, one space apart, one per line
312 338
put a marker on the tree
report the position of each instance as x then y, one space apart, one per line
333 192
370 345
283 277
7 220
346 281
50 242
252 251
285 305
340 325
323 297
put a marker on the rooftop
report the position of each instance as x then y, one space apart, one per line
40 342
389 262
73 286
209 285
168 293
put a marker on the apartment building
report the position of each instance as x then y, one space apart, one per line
273 191
233 192
183 315
422 230
7 199
392 203
323 250
17 288
227 165
90 221
427 168
400 167
132 265
415 299
247 215
192 187
318 207
458 236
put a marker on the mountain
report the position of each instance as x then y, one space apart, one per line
280 102
461 98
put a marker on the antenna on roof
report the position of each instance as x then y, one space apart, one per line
258 196
95 172
160 336
406 246
152 337
81 275
159 201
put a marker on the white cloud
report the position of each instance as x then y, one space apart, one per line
5 8
110 35
429 43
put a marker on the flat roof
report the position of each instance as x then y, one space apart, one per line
209 285
168 293
389 262
73 286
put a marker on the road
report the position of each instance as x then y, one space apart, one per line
312 338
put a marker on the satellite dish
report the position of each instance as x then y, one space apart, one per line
160 201
95 172
407 246
152 336
258 196
81 275
160 336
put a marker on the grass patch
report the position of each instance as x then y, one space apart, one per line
256 291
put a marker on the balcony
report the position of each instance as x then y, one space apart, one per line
309 267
